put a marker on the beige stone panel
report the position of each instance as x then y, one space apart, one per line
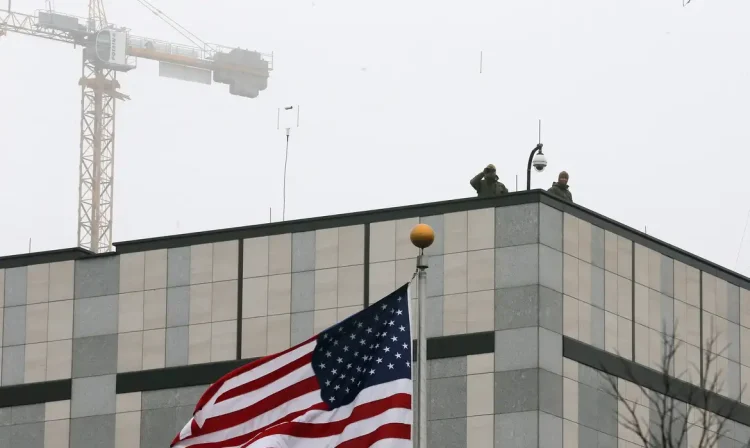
132 273
130 352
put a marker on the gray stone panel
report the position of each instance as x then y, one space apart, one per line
597 287
550 227
14 326
739 431
733 380
597 327
13 365
96 355
98 431
550 431
597 246
667 314
437 224
434 317
5 437
32 413
607 441
733 338
667 276
170 398
446 398
178 266
303 291
550 351
449 433
587 437
550 309
157 427
446 367
178 306
516 391
15 286
516 307
592 377
303 251
435 274
5 416
517 225
733 303
516 349
516 266
93 396
597 410
517 430
302 326
550 268
550 393
27 436
177 343
95 316
183 414
97 277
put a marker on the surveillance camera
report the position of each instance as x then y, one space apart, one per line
539 162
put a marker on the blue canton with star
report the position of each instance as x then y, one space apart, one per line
369 348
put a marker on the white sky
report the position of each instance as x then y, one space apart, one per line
644 102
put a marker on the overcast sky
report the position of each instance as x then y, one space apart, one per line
644 102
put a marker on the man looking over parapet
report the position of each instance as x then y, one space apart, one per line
560 188
487 184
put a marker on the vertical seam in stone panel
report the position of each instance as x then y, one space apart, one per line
632 300
700 321
366 291
240 280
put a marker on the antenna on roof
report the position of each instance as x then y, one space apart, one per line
29 245
742 240
480 62
540 130
288 131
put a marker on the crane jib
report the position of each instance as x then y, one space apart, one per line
107 50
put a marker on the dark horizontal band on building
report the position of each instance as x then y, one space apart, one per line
24 394
349 219
654 380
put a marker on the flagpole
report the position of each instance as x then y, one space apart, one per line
422 237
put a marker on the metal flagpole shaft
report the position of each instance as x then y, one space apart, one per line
420 439
422 236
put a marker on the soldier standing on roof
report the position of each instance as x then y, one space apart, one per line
487 184
560 188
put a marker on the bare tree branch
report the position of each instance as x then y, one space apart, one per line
674 418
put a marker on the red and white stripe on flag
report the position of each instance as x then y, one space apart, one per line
289 400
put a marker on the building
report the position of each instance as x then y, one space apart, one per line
526 295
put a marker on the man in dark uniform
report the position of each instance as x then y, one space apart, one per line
487 184
560 188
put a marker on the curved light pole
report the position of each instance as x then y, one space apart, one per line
537 159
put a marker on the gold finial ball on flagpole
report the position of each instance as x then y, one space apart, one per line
422 236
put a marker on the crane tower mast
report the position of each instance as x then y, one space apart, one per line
107 50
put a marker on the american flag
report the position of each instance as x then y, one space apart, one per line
349 386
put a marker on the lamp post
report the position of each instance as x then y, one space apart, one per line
538 160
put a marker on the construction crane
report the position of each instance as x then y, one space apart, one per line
107 50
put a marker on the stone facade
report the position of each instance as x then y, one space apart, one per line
113 351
